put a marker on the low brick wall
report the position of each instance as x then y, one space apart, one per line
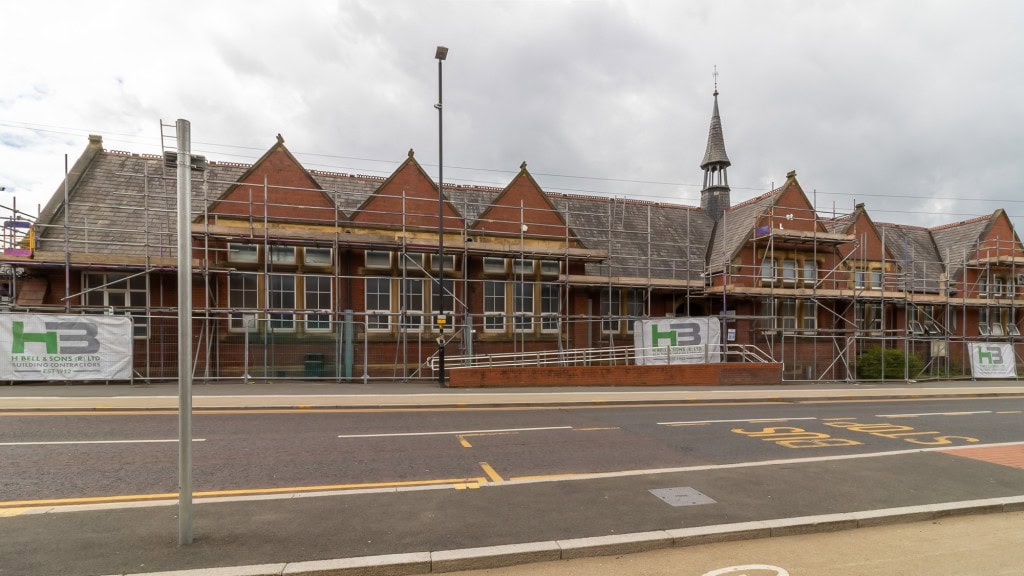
670 375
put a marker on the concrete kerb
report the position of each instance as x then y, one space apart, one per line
299 405
529 552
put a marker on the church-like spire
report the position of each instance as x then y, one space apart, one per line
714 196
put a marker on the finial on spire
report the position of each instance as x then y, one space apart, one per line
280 139
523 165
715 74
411 152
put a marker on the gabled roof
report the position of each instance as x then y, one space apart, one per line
736 226
409 191
915 252
515 207
304 200
958 241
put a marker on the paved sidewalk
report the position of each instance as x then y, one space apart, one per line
306 394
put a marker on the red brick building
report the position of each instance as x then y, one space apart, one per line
304 273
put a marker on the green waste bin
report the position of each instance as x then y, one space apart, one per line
314 365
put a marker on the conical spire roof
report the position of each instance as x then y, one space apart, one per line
715 153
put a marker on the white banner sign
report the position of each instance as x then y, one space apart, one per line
65 347
993 360
677 341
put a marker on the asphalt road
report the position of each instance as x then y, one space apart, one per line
397 481
97 457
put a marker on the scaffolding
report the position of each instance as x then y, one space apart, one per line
528 278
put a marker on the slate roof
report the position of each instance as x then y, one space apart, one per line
916 253
736 226
109 196
952 239
715 153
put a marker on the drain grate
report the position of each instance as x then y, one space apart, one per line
682 496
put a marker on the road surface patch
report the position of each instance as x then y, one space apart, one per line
1012 456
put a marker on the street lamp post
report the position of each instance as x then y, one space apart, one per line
441 54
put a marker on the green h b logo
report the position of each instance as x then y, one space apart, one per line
678 334
89 344
994 355
657 335
21 337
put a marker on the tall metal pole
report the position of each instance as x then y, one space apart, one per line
184 137
441 54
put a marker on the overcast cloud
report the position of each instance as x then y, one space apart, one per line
915 108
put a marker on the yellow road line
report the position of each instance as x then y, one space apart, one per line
494 476
465 443
242 492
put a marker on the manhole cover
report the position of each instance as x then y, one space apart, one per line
683 496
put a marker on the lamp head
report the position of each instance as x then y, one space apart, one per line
442 53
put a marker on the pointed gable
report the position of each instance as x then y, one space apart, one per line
408 197
292 194
784 208
870 245
521 203
999 239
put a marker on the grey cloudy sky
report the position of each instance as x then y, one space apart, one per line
915 108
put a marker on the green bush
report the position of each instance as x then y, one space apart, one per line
870 364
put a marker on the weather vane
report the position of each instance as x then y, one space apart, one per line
715 74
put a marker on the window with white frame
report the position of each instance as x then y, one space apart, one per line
789 271
318 257
378 259
859 278
810 272
243 253
876 279
523 301
610 310
522 267
126 296
983 285
494 306
809 321
984 328
914 325
317 292
281 295
449 263
550 304
550 268
449 298
787 312
767 313
378 303
411 300
494 266
997 286
284 255
634 307
998 321
243 295
767 270
866 317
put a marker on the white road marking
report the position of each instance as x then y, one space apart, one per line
450 432
61 443
932 414
775 570
750 420
51 509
